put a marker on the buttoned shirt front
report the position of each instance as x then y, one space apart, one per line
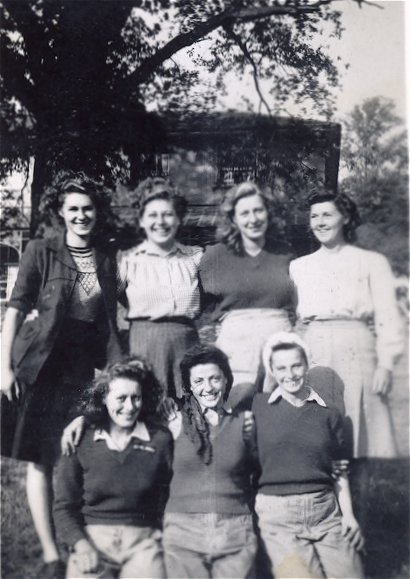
161 286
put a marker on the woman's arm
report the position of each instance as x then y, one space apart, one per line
350 526
387 322
67 512
12 322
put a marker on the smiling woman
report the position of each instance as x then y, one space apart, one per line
60 325
245 277
111 493
160 277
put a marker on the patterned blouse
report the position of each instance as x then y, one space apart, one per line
161 286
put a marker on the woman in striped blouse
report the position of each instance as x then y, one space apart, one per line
161 284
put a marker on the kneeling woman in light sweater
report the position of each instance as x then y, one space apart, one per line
111 492
208 529
305 517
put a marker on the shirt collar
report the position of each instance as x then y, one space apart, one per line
312 397
140 431
144 247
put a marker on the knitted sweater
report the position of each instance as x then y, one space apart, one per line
223 486
296 445
102 486
242 281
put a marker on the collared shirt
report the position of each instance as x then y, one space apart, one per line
140 431
312 397
211 416
161 286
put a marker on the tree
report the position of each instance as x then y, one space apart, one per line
374 157
79 76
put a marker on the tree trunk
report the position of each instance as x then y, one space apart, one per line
40 174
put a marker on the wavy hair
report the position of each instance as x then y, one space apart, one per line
227 231
67 182
344 204
93 406
193 420
154 188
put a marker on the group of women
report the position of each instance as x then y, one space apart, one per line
61 324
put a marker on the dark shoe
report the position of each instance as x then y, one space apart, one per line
52 570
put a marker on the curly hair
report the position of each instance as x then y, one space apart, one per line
93 406
67 182
193 420
158 188
227 231
343 203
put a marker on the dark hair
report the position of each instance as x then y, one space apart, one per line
67 182
158 188
194 423
93 406
344 204
290 346
227 231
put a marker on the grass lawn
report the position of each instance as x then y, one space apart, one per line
387 528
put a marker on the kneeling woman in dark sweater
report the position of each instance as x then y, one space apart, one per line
305 517
208 529
110 494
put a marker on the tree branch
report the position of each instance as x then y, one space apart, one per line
248 56
226 18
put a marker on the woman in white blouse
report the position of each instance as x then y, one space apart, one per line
161 284
346 299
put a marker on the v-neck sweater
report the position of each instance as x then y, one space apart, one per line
97 485
296 445
243 281
223 486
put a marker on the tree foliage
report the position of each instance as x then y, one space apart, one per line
79 76
374 156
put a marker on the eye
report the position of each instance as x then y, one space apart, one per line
121 398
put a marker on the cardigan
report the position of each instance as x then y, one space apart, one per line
45 281
243 281
97 485
296 445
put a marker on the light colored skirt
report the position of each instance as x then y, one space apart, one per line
243 334
348 348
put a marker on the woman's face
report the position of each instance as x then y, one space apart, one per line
251 217
208 385
289 369
326 223
79 214
160 222
123 402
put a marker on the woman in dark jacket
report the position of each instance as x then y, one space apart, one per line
67 285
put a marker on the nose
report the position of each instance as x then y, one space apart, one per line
129 404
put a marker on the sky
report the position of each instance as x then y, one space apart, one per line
373 43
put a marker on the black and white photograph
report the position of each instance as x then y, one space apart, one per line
204 233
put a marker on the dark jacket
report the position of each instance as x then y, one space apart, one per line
45 281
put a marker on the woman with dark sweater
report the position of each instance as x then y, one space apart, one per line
208 530
305 517
111 492
246 278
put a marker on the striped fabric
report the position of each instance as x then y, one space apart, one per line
159 286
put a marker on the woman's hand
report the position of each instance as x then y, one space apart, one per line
351 531
9 385
86 556
340 467
248 424
72 435
382 381
168 409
